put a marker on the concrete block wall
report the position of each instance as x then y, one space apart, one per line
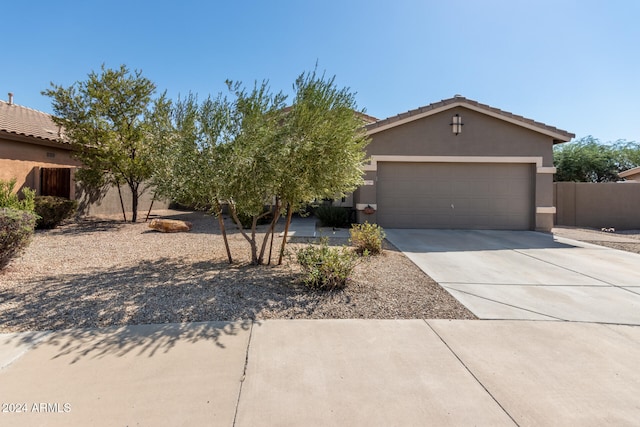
598 205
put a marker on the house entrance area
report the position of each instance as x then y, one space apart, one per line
498 196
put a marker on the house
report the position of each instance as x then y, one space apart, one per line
631 174
32 151
459 164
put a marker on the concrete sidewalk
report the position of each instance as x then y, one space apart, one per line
308 228
324 373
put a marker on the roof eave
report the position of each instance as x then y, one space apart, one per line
31 139
629 172
558 137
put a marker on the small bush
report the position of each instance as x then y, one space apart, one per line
326 268
16 229
53 210
9 199
332 216
367 238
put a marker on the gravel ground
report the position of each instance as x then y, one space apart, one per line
624 240
105 273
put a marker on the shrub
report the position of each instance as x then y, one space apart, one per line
324 267
9 199
332 216
367 238
16 229
53 210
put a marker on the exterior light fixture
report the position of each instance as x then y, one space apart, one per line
456 124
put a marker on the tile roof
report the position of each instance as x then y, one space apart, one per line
23 121
458 100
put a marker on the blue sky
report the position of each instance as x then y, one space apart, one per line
570 64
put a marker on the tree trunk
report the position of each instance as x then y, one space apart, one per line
286 232
251 240
134 202
277 215
223 230
269 231
124 214
150 207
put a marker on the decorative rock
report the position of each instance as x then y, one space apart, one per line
170 225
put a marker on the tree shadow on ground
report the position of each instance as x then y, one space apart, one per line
141 340
162 292
85 225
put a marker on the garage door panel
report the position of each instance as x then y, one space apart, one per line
455 195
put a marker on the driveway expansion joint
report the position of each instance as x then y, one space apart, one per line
472 374
509 305
565 268
244 374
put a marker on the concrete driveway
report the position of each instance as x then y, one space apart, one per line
528 275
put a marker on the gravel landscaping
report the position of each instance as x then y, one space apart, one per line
624 240
107 273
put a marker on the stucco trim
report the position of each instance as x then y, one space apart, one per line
545 209
546 169
373 166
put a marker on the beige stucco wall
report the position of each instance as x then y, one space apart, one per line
598 205
482 136
108 204
23 161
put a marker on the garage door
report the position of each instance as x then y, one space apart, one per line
455 195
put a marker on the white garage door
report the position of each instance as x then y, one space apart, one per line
494 196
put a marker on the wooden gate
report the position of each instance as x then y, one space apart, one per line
55 182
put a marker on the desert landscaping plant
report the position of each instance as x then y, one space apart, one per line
332 216
251 151
16 229
106 119
367 238
590 160
11 199
326 268
53 210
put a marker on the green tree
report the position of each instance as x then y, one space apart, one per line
252 153
253 160
585 160
189 145
628 154
106 119
323 144
589 160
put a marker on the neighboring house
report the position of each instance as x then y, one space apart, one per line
459 164
31 151
631 174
